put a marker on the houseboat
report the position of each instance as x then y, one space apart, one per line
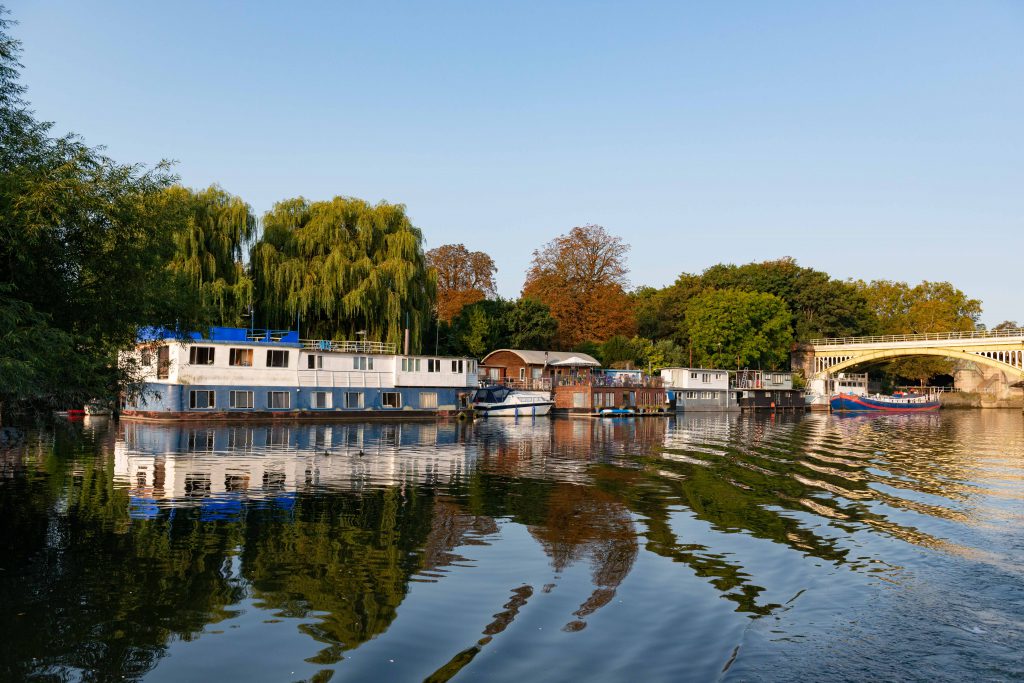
611 394
235 373
700 390
536 370
767 390
821 390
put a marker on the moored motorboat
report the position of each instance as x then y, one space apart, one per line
501 401
849 403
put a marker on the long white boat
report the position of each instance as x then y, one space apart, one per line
501 401
236 373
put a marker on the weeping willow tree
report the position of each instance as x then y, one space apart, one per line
214 230
342 266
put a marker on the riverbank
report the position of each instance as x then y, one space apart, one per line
977 399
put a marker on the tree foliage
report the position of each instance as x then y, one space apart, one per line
927 307
343 266
463 277
487 325
213 230
820 305
84 244
581 277
731 328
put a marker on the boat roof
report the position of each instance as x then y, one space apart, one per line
558 358
221 334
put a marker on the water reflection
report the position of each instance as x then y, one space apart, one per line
121 541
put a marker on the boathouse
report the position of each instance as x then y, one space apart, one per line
524 369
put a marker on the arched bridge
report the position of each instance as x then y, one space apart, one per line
1000 349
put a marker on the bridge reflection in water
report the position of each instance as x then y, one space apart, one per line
331 526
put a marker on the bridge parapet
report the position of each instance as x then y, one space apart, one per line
1015 333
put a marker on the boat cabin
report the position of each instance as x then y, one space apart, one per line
542 370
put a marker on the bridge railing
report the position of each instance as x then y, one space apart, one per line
930 336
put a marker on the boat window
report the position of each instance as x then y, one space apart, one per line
201 398
314 362
279 399
147 357
277 358
200 355
428 399
240 399
353 399
391 399
241 357
321 399
163 362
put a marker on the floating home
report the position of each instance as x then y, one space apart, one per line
614 390
766 390
536 370
700 390
236 373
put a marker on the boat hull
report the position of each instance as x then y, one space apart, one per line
537 409
851 403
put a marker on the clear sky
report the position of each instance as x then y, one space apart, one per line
866 139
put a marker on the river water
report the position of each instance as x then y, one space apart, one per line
708 547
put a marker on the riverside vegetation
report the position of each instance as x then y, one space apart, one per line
92 249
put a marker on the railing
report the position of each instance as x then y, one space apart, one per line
599 381
348 346
913 389
930 336
529 384
264 335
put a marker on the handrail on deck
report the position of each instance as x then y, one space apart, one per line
347 346
929 336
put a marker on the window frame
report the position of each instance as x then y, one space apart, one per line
194 353
384 402
270 400
360 402
235 358
273 354
232 395
211 399
328 400
428 394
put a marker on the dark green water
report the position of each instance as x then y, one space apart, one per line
700 548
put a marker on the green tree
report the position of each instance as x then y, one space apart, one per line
924 308
342 266
731 328
820 305
84 244
214 229
530 325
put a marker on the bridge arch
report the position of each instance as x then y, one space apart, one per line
882 355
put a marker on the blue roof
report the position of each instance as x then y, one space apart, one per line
222 334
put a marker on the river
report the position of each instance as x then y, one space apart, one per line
706 547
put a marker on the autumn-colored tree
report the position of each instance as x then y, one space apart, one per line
581 277
927 307
463 277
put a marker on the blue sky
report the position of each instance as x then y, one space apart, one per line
866 139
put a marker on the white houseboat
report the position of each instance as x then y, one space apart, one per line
236 373
699 389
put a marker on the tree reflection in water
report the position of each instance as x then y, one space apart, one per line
111 551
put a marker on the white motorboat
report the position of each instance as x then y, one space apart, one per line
500 401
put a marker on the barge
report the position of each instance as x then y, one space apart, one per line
243 374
